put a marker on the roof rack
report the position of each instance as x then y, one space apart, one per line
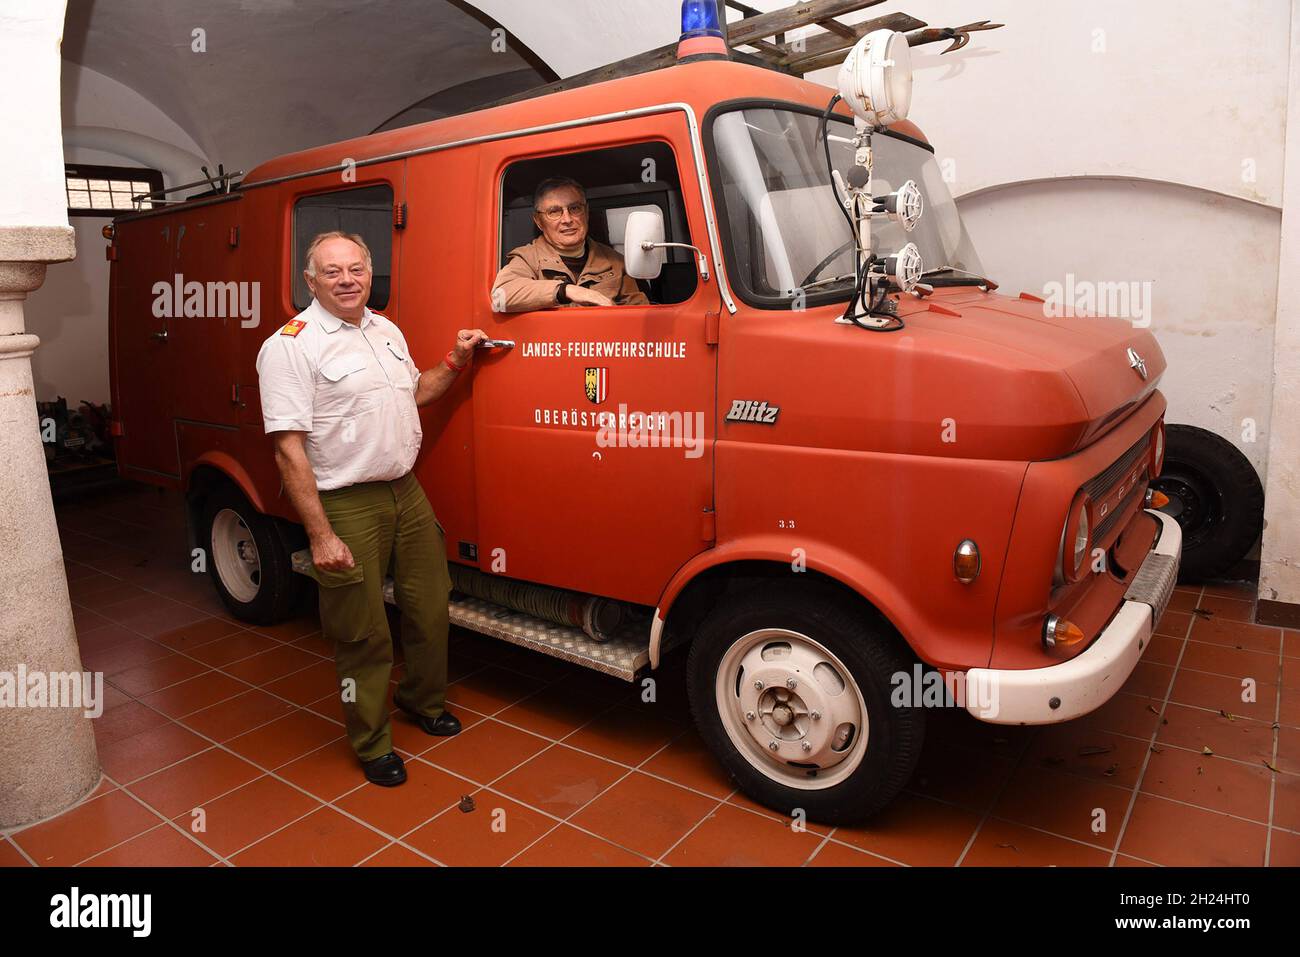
218 184
767 34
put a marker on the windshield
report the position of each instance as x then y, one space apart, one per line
786 230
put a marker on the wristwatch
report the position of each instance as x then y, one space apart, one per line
560 295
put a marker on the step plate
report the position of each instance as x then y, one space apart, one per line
622 656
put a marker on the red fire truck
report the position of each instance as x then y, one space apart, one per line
826 451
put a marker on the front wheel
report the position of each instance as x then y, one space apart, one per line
248 559
791 692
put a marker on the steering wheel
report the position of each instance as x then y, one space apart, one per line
839 251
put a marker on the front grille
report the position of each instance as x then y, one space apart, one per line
1099 485
1107 523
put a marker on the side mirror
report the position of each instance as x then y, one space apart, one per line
644 227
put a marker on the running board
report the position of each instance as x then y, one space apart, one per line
623 656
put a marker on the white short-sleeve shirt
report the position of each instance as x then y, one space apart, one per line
350 387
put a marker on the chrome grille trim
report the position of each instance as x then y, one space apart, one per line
1102 483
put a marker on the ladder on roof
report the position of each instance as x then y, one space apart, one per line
771 43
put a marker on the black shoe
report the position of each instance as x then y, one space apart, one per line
387 771
443 726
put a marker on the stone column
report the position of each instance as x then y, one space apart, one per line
47 754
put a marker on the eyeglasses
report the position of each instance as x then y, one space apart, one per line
553 213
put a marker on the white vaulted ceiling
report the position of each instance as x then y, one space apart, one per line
284 75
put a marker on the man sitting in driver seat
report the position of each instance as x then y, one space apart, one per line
563 266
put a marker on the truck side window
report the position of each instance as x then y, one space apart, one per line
618 181
367 210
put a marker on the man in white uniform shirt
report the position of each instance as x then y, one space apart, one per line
339 395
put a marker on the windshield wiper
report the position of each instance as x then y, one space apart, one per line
826 282
965 279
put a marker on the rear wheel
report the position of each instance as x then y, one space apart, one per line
1216 498
791 692
249 559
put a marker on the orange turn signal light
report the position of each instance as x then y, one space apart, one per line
966 562
1156 499
1059 633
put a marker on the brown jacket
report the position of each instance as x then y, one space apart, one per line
533 273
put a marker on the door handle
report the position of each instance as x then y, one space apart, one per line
497 344
160 336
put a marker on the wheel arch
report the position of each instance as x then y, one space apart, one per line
701 581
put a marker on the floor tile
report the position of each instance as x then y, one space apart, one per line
164 846
1237 634
233 821
235 646
1179 836
689 763
627 734
284 739
644 814
568 847
86 830
491 690
1001 844
1065 804
915 831
194 694
125 721
324 838
486 751
1230 737
134 757
156 675
310 684
327 772
187 785
1217 692
833 854
495 831
559 780
552 713
960 775
236 715
271 665
731 837
197 636
1099 755
394 855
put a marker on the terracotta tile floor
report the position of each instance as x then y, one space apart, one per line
223 744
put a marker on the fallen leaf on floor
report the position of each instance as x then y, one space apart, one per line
1110 771
466 803
1203 612
1269 764
1230 717
1012 846
1152 709
1205 750
1094 749
1155 750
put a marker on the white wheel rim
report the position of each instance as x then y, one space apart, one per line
234 553
792 709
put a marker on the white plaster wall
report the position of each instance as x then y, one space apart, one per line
1212 293
29 78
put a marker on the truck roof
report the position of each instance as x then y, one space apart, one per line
701 84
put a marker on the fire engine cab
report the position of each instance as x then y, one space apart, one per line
826 457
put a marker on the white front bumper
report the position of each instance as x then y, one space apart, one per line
1086 682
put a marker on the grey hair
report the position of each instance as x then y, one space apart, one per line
335 234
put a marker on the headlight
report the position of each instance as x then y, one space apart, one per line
903 269
876 78
1158 449
904 206
1076 540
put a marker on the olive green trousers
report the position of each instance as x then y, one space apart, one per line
390 528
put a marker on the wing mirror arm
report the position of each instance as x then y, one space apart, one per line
703 262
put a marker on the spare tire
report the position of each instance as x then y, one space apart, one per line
1216 498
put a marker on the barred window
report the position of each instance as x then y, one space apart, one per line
107 190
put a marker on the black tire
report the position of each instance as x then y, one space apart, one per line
276 590
871 653
1216 498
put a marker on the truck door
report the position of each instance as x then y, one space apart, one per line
593 435
142 373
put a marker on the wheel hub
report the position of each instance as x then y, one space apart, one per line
793 706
